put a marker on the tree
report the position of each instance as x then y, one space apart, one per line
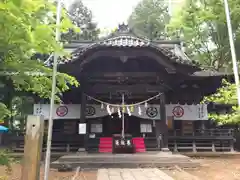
21 106
202 25
225 95
81 17
149 18
28 27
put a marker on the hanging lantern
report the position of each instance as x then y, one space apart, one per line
102 106
146 105
132 108
129 112
139 110
119 113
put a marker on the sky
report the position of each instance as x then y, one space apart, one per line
109 13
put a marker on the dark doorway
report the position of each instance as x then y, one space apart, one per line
113 125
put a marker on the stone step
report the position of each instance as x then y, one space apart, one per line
122 157
126 164
101 160
119 159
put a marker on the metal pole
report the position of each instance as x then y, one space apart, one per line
170 7
123 130
232 47
50 123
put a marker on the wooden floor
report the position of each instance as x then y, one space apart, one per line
104 160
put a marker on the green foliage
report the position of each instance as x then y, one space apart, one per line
6 160
21 107
227 118
225 95
202 25
4 112
149 18
81 17
28 27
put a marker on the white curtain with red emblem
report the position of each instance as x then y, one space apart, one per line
178 112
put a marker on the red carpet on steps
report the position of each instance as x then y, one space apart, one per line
105 145
139 144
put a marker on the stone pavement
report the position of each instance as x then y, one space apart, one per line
132 174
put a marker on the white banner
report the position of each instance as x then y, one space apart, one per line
72 111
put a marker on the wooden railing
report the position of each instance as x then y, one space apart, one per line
61 142
199 140
202 140
203 132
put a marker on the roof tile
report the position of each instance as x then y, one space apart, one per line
131 42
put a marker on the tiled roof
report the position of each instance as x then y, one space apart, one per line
132 42
120 41
210 72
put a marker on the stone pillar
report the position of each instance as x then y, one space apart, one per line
164 123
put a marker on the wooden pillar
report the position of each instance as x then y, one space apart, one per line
33 148
83 108
83 117
158 134
164 123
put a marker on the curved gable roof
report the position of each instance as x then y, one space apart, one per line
124 38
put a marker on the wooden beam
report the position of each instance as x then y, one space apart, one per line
121 81
128 77
122 74
33 148
136 88
131 53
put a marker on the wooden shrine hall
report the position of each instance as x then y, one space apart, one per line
135 95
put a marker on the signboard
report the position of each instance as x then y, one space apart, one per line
82 128
96 128
145 128
178 112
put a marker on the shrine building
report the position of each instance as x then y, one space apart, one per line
138 93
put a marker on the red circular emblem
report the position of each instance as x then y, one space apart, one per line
62 111
178 111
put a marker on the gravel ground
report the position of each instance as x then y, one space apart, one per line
54 174
212 169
